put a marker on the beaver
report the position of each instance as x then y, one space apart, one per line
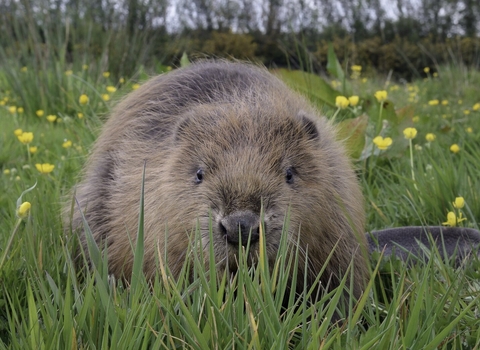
230 150
223 144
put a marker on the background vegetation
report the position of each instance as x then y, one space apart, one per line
65 64
401 36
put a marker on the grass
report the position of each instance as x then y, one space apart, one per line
46 303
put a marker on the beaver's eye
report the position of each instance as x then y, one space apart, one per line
289 176
199 176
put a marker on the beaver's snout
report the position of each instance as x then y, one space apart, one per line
240 224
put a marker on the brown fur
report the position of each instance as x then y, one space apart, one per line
244 129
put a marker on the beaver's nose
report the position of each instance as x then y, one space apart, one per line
240 226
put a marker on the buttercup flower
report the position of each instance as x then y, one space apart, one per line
20 110
476 106
459 203
341 102
83 99
381 95
426 70
106 97
382 143
68 72
51 118
455 148
85 66
466 112
106 74
18 132
416 119
25 137
12 109
356 68
67 144
39 113
24 69
353 100
45 168
121 80
23 210
452 219
135 86
80 115
433 102
33 149
6 171
410 133
111 88
469 129
430 137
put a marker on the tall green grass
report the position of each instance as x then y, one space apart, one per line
45 302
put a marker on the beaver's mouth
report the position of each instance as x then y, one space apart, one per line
241 256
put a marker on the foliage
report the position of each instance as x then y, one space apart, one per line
47 303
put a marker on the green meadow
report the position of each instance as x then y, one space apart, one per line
415 146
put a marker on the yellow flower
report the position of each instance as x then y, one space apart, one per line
466 112
20 110
23 210
68 72
33 149
353 100
106 74
430 137
121 80
6 171
135 86
24 69
39 113
111 89
85 66
67 144
416 119
355 68
381 95
455 148
426 70
435 74
394 88
51 118
83 99
410 133
469 129
3 103
12 109
341 102
460 102
80 115
106 97
382 143
476 106
25 137
444 102
18 132
364 80
452 219
45 168
433 102
459 203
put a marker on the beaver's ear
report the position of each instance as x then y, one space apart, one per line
309 126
